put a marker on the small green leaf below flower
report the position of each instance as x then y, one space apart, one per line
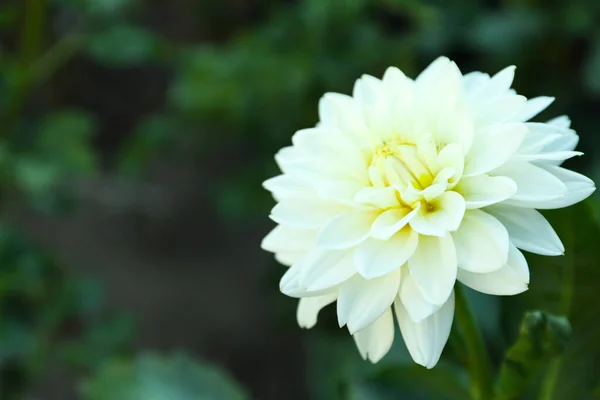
542 337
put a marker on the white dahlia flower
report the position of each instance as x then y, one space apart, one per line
409 185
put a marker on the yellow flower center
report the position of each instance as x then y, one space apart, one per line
396 162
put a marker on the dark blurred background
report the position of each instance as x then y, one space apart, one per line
134 138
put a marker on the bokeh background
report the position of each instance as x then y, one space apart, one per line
134 137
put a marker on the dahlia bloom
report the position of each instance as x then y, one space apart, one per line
409 185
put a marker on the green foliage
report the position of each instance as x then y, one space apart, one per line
43 310
123 46
568 285
150 377
542 337
151 138
58 148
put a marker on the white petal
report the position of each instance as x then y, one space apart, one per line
554 157
511 279
498 109
411 195
361 302
535 186
401 91
287 258
391 221
290 283
474 82
444 216
309 307
306 213
323 269
440 107
452 156
287 239
539 136
481 243
342 112
500 83
347 230
285 156
425 340
528 229
375 340
433 267
376 258
286 186
484 190
416 305
579 187
562 121
532 108
493 146
379 197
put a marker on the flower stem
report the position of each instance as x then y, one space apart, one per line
480 367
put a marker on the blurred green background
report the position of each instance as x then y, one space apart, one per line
134 137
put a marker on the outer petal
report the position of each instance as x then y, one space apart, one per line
579 187
290 283
433 267
287 258
416 305
309 307
448 211
306 213
287 239
499 109
323 269
375 340
342 112
509 280
425 340
532 108
286 187
481 87
361 302
528 230
347 229
493 147
484 190
481 243
535 186
539 137
376 258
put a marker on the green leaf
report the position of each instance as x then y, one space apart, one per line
150 377
64 139
542 337
569 285
35 176
121 46
61 147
